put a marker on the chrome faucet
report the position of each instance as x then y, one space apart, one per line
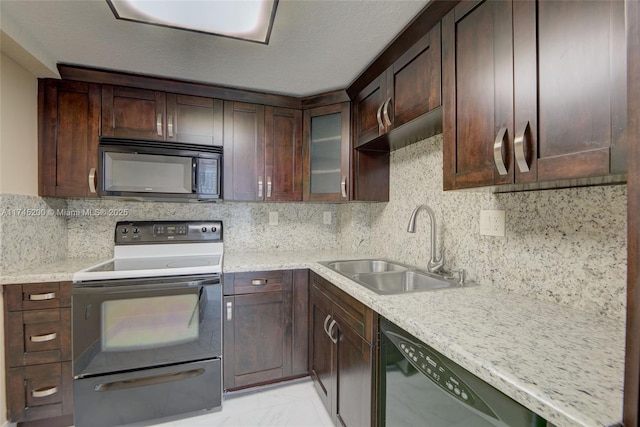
435 263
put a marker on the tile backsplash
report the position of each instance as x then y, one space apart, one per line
568 246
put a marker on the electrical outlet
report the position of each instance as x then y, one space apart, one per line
273 218
492 222
326 218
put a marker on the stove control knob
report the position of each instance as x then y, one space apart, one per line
214 229
136 230
125 230
204 229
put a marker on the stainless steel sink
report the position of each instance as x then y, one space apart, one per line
388 277
365 266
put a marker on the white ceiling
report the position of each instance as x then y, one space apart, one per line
315 46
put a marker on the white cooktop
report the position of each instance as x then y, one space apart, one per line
156 261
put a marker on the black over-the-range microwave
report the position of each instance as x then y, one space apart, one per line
154 170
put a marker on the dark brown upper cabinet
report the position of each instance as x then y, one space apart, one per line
155 115
326 152
69 120
262 153
283 154
408 89
533 94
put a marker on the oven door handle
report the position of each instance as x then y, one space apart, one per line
148 381
131 285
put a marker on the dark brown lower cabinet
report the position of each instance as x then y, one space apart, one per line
342 352
265 327
38 354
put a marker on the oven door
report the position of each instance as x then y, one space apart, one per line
121 325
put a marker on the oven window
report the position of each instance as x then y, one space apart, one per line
143 323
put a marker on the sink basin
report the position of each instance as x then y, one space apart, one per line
403 281
388 277
360 266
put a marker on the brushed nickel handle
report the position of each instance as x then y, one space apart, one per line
260 187
159 124
497 151
259 282
331 326
268 186
385 109
42 297
92 180
170 126
343 187
518 144
326 320
44 392
229 310
379 117
43 338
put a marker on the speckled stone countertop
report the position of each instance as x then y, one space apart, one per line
564 364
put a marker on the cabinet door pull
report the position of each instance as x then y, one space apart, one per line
159 124
343 187
44 392
170 126
92 180
229 311
42 297
385 109
331 326
268 186
518 144
326 320
379 117
497 151
259 282
260 188
43 338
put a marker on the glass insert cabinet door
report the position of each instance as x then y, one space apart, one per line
326 153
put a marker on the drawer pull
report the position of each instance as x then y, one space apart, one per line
43 338
42 297
44 392
259 282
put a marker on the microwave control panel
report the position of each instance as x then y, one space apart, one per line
207 176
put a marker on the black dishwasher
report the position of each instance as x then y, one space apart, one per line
420 387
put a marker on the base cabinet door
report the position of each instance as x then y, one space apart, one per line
264 326
343 339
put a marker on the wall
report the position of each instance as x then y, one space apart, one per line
567 246
18 129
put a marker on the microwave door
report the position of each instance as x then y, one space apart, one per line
147 173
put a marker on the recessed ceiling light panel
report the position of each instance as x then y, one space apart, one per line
241 19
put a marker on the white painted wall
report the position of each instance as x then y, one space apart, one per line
18 129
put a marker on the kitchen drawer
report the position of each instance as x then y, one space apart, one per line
254 282
41 391
36 296
38 336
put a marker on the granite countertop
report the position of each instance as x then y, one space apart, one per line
564 364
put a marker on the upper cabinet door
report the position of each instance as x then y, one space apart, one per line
283 154
68 138
133 113
326 153
194 119
368 107
578 131
244 151
413 81
477 72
